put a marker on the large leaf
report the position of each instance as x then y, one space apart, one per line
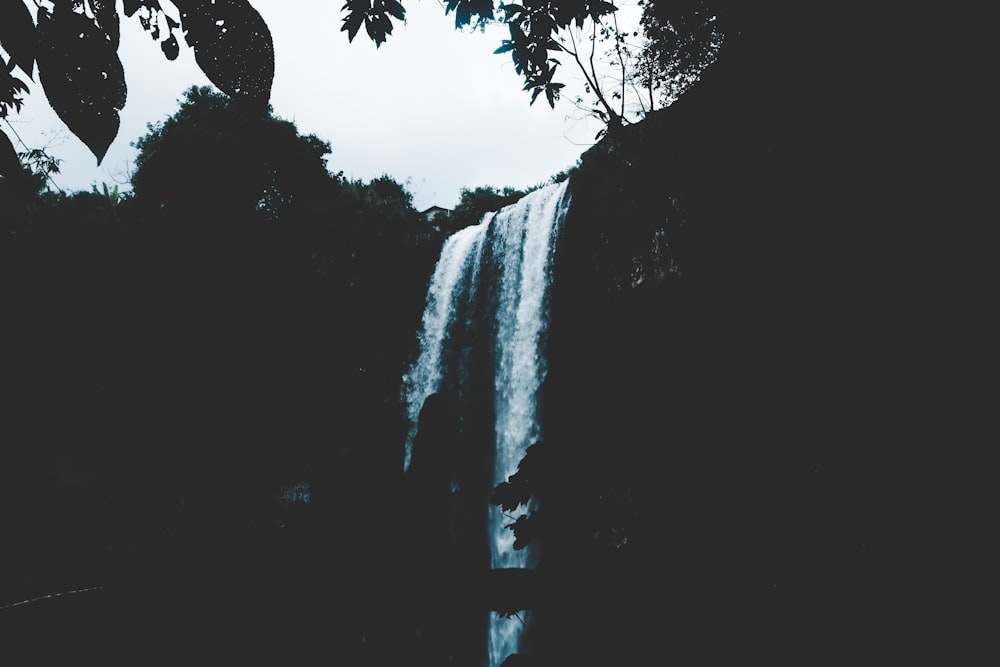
17 34
107 18
232 46
81 75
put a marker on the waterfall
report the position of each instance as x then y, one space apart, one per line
505 262
454 276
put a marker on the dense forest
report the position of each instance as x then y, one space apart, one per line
181 355
200 378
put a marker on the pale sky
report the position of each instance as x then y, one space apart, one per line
433 107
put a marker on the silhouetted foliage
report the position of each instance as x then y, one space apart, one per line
21 184
75 46
79 68
519 488
681 43
216 154
383 199
23 177
171 358
474 203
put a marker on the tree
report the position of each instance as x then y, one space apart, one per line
217 153
74 44
474 203
23 176
20 189
383 199
542 29
633 73
678 46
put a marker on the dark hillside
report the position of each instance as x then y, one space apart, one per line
725 399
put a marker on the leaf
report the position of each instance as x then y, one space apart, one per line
396 9
352 24
10 91
510 495
511 10
378 26
357 11
526 529
466 9
82 76
232 46
170 47
373 33
9 164
130 7
463 15
600 8
18 35
482 8
374 15
107 18
552 94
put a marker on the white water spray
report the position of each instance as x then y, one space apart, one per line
457 269
525 233
520 240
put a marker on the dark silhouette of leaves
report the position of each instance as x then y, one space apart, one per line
216 154
10 92
526 529
107 18
466 9
83 78
170 47
17 35
523 484
392 7
356 11
153 19
232 46
9 164
375 15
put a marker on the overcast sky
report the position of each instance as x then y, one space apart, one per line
433 107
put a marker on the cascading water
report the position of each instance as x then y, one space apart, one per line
516 245
453 279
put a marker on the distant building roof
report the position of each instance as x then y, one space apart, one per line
433 211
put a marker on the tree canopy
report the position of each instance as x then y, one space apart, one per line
73 44
218 152
474 203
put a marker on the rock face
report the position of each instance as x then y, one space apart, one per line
710 492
